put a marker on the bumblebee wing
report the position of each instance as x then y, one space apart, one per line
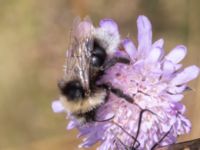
78 56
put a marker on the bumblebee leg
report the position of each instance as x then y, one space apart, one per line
120 141
165 135
139 124
106 98
121 94
117 92
125 146
105 119
135 139
113 61
91 116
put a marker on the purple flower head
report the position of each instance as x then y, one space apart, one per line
154 81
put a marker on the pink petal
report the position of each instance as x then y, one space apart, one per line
178 66
186 75
88 143
177 97
144 35
109 25
183 125
187 124
177 54
120 54
174 97
57 106
177 89
165 127
130 48
179 107
159 43
71 125
154 55
168 67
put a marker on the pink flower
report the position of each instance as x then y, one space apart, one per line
156 83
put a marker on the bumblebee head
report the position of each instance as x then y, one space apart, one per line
98 55
73 90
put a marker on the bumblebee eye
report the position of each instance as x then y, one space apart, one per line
98 55
73 90
97 61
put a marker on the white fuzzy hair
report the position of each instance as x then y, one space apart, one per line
109 41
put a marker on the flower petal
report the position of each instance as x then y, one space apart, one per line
57 106
159 43
186 75
186 123
71 125
109 25
168 67
178 66
177 54
177 89
154 55
165 127
183 125
174 97
129 48
144 35
179 107
90 140
121 54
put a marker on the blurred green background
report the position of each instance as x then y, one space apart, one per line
33 41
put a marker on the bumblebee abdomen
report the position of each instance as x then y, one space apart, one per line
82 106
73 90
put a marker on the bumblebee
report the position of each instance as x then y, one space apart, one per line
91 52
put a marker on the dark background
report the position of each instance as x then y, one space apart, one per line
33 40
